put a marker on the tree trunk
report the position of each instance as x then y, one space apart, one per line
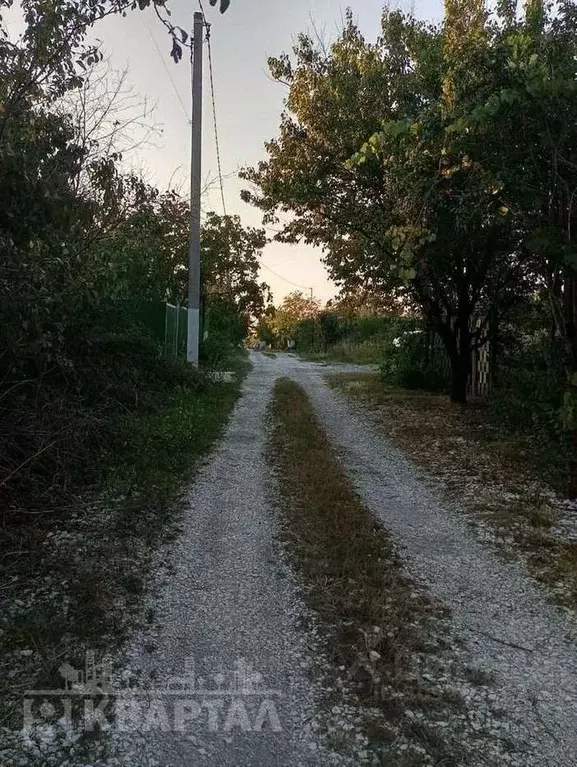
459 378
461 361
570 317
572 484
457 341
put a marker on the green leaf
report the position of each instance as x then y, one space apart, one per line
375 142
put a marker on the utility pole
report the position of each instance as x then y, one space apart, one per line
193 336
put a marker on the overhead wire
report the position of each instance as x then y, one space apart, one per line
213 98
217 144
166 69
216 141
290 282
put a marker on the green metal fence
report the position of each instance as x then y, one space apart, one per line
168 323
175 331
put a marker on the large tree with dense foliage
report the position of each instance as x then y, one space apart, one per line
230 264
463 196
335 100
280 324
411 213
526 132
147 255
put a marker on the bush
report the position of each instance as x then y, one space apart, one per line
337 337
527 397
55 430
415 360
310 336
529 402
371 328
364 353
528 387
130 368
224 330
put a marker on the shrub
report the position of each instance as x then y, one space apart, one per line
336 336
364 353
224 329
310 336
528 387
54 430
527 396
366 328
415 360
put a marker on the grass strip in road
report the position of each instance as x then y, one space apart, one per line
378 621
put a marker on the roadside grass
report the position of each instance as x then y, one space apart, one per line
268 354
359 353
502 482
73 573
385 636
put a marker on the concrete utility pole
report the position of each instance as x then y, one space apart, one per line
195 182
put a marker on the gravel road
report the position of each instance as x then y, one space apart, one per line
227 604
227 601
507 626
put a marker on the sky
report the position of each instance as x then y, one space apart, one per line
248 103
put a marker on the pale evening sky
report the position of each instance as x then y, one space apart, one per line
248 102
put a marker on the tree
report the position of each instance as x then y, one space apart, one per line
414 213
108 117
80 238
51 56
230 264
264 331
284 321
148 257
76 233
336 99
358 302
527 128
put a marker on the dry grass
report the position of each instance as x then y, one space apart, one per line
365 352
498 480
379 620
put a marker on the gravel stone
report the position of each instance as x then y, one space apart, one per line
224 592
229 598
507 626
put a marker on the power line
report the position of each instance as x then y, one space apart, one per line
216 141
166 69
276 274
215 122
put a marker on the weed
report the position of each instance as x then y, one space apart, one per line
479 677
378 618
